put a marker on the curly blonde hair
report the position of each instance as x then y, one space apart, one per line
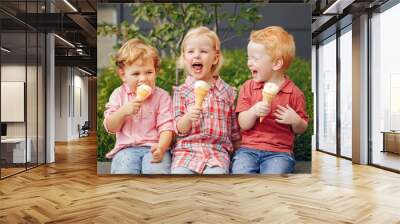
134 50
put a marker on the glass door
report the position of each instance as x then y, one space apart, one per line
326 136
385 89
14 54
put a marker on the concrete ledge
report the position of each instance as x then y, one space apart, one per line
103 167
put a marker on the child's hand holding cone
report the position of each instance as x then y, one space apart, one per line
269 92
201 89
142 93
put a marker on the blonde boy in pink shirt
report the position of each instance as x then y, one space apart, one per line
144 129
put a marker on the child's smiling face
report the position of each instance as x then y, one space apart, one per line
260 63
140 72
199 57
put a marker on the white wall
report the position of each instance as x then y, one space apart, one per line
61 103
79 117
17 73
68 83
14 73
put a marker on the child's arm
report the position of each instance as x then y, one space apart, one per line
286 115
185 123
248 118
235 134
115 120
235 129
159 149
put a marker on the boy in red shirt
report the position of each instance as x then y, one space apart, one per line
267 143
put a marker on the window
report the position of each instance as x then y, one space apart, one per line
22 74
327 95
346 92
385 86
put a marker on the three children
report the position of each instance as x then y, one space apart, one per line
206 132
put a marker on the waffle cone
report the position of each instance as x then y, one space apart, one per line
267 98
200 94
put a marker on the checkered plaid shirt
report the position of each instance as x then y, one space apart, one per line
209 141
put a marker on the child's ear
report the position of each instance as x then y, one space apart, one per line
278 64
216 57
120 72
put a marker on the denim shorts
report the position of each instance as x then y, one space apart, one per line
252 161
137 160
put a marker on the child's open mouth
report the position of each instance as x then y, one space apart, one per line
197 67
254 73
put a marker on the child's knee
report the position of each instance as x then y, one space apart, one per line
278 165
244 162
124 166
126 161
163 167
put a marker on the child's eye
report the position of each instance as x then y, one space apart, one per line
149 72
135 74
204 51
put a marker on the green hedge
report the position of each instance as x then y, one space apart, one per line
234 72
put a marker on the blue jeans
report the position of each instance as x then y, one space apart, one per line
207 170
251 161
137 160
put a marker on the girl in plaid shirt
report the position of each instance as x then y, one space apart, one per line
206 134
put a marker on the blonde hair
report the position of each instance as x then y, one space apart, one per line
134 50
202 30
278 43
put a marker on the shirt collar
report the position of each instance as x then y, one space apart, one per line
286 87
127 89
257 85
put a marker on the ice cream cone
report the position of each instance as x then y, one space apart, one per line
269 92
267 97
201 89
143 92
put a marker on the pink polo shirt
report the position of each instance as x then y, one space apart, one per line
144 128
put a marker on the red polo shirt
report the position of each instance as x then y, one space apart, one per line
271 135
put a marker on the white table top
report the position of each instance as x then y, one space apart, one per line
13 140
